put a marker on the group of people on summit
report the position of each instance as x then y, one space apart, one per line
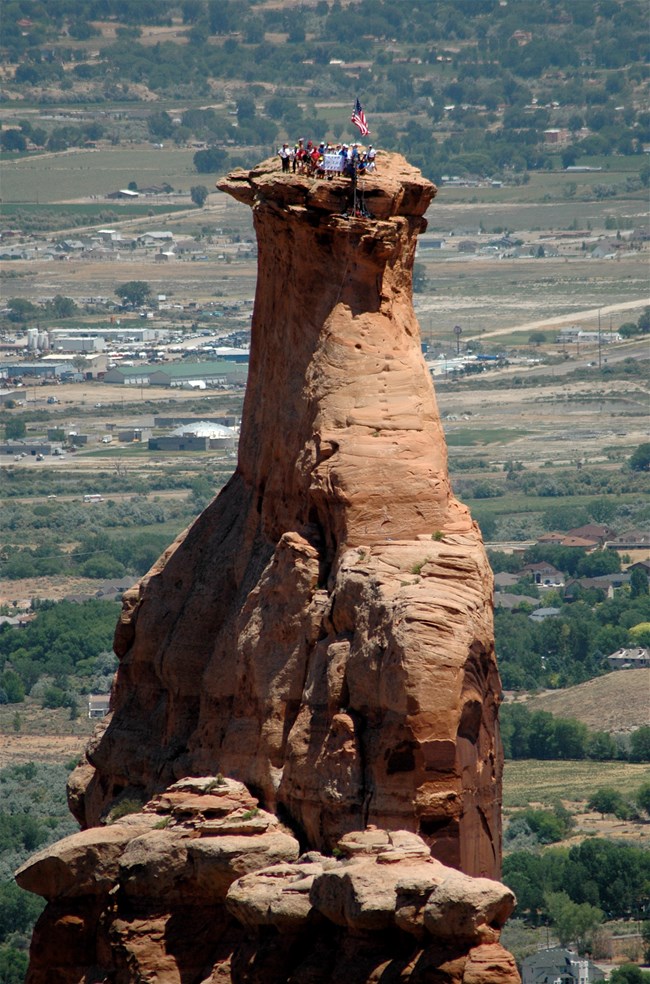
325 159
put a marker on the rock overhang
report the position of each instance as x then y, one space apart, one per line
395 188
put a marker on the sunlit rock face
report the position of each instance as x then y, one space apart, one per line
323 632
202 885
321 636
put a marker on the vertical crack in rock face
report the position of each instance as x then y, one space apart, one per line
323 631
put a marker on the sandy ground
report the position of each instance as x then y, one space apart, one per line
52 749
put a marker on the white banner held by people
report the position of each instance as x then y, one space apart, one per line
333 162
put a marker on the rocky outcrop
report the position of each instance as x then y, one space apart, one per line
322 634
201 885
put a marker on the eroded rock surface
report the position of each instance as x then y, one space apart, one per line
201 886
322 634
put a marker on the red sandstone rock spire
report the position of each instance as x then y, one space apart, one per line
323 632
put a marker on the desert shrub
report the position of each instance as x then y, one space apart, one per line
125 808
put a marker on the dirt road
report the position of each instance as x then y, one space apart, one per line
564 319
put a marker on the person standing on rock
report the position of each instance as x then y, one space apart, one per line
284 154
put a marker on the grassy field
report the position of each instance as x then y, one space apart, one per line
522 503
529 781
500 213
615 702
481 436
76 214
82 173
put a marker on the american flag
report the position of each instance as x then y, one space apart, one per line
359 119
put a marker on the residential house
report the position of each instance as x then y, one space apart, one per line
114 589
123 193
605 250
640 565
556 135
586 543
155 238
503 599
593 531
559 966
629 659
551 537
607 583
164 256
545 574
634 540
163 189
505 580
98 705
541 614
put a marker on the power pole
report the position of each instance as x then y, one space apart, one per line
600 349
458 332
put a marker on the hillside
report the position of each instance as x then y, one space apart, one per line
501 89
616 702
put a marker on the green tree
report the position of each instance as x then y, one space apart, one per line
644 174
629 974
13 687
134 293
245 109
628 329
640 459
13 140
601 747
548 827
21 310
160 125
15 429
18 910
642 800
61 307
199 194
572 921
570 155
645 933
598 563
638 583
640 745
210 161
605 800
13 964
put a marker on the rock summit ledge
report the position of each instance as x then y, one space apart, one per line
393 188
322 633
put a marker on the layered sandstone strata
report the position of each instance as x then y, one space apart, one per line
323 631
